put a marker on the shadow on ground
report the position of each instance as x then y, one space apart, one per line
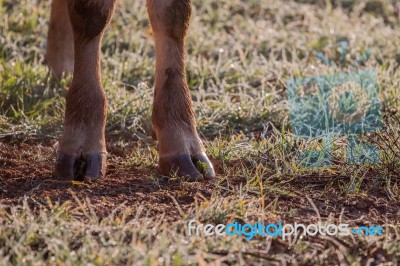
26 170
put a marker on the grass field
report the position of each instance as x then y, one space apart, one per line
240 55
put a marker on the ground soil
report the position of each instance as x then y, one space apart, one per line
26 170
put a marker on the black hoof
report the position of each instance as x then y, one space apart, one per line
191 169
86 168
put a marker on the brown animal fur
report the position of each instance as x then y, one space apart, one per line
173 119
60 41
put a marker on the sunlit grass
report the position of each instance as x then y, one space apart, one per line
240 55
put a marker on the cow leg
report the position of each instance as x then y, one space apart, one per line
83 139
60 40
180 148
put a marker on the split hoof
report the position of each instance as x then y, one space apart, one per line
86 168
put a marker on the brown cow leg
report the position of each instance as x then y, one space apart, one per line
180 148
60 40
82 145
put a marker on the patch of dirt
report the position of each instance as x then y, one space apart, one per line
26 170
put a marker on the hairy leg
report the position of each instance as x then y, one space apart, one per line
83 140
60 40
180 148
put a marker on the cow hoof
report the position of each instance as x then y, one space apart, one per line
86 168
189 168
